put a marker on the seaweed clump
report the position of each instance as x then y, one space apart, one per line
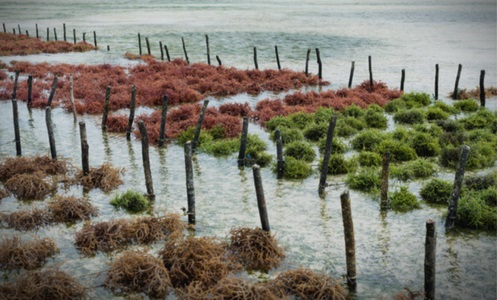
138 271
255 249
26 219
30 186
402 200
131 201
46 284
16 254
69 208
436 191
105 177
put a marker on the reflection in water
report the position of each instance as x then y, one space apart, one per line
384 235
453 260
132 159
107 150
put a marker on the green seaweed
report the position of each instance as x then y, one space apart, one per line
402 200
131 201
436 191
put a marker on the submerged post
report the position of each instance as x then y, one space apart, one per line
348 229
52 91
402 79
307 62
243 143
131 112
162 131
167 53
277 57
190 189
51 138
71 91
255 59
430 259
84 148
219 60
208 50
327 154
186 56
456 190
384 181
95 39
64 31
139 44
261 200
320 64
30 91
370 64
146 159
106 108
351 77
279 154
199 126
436 82
482 88
456 85
161 51
148 46
16 127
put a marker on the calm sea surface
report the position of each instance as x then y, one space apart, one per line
398 35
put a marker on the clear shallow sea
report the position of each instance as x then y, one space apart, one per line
398 35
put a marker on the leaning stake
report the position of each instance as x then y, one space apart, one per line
139 44
456 85
327 154
146 159
190 189
219 60
456 190
52 91
199 126
255 59
71 91
351 77
148 46
131 112
184 50
208 50
84 148
243 143
16 128
106 108
348 228
261 201
277 57
320 64
16 79
162 130
51 138
430 259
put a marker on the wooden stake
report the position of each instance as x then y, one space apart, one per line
140 44
84 37
108 47
27 33
436 82
95 39
370 64
430 259
51 138
208 50
307 62
74 35
186 58
320 64
52 91
255 59
84 148
279 154
167 54
351 77
327 154
199 126
106 108
456 86
146 159
30 90
277 57
16 127
5 29
148 46
55 33
71 91
48 34
161 51
19 26
456 190
131 112
402 79
219 60
190 189
243 143
348 228
261 200
16 79
64 31
163 121
384 181
37 34
482 88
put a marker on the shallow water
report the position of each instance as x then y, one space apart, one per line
390 247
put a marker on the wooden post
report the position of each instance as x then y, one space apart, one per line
106 108
71 92
37 33
255 59
186 58
243 143
19 26
402 79
351 77
327 154
27 33
279 154
16 127
14 31
131 112
307 62
5 29
456 190
108 47
219 60
30 90
64 31
199 126
163 121
139 44
277 57
456 86
208 50
55 33
48 34
384 181
16 79
148 46
95 39
320 64
74 35
146 159
52 91
370 64
167 53
190 189
84 148
430 259
261 200
436 82
348 229
482 88
84 37
161 51
51 138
